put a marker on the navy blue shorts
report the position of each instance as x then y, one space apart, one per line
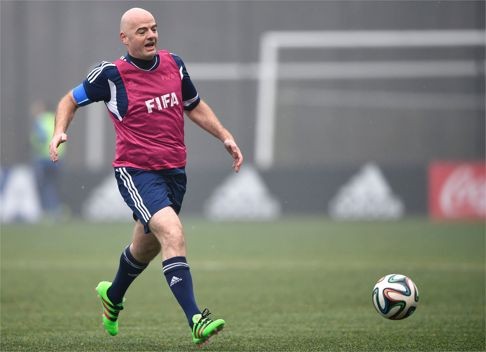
146 192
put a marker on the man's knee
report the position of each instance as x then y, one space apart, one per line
166 226
171 235
174 238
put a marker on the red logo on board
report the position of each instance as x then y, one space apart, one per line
457 190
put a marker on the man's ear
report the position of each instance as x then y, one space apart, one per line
123 38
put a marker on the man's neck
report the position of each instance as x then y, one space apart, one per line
143 64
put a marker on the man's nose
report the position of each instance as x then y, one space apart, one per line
152 34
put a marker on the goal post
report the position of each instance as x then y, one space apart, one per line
271 70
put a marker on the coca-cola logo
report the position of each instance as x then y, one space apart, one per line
464 190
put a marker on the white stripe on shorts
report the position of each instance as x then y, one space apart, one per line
137 200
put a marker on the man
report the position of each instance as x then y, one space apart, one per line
46 173
146 94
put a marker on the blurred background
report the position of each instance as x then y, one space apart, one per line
347 109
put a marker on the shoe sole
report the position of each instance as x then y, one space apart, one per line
214 332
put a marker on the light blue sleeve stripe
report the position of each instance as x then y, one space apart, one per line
80 96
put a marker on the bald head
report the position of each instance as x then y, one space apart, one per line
133 17
138 31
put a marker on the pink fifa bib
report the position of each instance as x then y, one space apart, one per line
151 134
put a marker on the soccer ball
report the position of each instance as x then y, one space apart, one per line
395 296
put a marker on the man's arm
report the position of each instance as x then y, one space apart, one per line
64 115
205 118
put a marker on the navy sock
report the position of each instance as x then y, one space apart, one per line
128 271
178 276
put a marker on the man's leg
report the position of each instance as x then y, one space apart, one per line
133 260
167 227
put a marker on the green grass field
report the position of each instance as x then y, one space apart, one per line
302 284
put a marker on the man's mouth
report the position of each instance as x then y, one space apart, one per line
150 45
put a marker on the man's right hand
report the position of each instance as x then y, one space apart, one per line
56 140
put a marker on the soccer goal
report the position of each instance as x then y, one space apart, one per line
347 96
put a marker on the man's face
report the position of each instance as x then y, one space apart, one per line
140 36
